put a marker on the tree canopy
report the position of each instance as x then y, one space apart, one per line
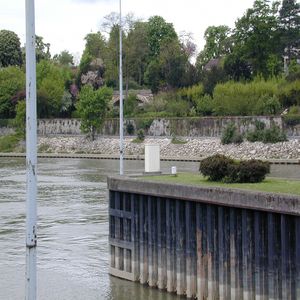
10 49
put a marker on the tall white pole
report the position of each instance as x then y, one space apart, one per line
121 97
31 153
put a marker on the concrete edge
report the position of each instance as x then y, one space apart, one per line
254 200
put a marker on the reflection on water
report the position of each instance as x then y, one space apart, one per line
73 229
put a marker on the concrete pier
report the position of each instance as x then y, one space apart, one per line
203 242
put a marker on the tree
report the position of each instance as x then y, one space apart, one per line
92 108
153 75
65 58
92 60
173 62
12 81
42 49
289 24
255 35
10 49
137 52
159 32
20 119
236 67
218 43
51 87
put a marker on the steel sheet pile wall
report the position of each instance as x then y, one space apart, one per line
204 250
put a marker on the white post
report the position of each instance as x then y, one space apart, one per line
121 98
31 153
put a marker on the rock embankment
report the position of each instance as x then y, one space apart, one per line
194 147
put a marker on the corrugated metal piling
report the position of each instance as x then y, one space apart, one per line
205 243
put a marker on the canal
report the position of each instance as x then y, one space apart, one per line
73 254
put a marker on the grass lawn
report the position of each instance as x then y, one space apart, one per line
274 185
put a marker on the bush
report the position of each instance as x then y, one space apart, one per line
267 105
215 167
130 105
191 94
292 119
230 135
204 106
241 99
130 128
252 171
266 135
220 167
178 108
289 93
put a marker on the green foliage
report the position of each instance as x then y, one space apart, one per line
215 167
217 43
204 106
92 108
289 93
159 32
65 58
140 136
51 81
137 53
42 49
10 49
256 36
12 81
173 62
292 119
177 108
20 119
267 105
289 26
130 128
153 76
219 167
241 99
237 67
144 123
8 143
249 171
211 78
191 94
230 135
130 105
266 135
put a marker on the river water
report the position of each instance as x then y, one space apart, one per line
72 229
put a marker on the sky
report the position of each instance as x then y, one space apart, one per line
65 23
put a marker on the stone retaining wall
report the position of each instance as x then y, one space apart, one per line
192 127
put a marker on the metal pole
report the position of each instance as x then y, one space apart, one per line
121 99
31 153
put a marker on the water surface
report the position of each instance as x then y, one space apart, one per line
72 231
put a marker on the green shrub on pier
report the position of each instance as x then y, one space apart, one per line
215 167
221 168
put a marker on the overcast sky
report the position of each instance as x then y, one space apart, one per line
64 23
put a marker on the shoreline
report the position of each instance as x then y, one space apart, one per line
131 157
186 149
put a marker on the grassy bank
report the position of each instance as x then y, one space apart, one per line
272 185
9 143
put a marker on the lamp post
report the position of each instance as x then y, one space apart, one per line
121 97
31 153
